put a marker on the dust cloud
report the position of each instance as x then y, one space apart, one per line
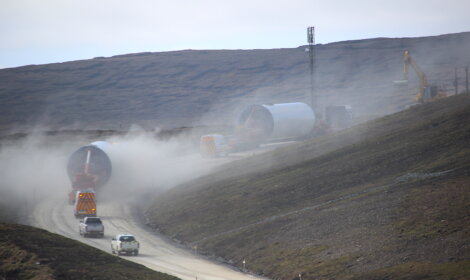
144 166
33 168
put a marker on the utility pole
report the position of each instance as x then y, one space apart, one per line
456 83
466 80
311 53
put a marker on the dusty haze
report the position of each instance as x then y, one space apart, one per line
34 168
175 89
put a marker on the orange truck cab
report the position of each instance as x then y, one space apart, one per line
80 182
85 204
213 145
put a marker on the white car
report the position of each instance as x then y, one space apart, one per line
91 226
125 244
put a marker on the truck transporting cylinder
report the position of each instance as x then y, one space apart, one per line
276 121
91 160
89 167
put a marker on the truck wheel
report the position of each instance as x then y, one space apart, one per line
136 252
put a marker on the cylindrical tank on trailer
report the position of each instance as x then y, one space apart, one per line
91 160
278 121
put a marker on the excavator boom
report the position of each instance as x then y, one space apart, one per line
423 81
426 92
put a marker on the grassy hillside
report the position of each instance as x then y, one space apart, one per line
388 199
30 253
183 88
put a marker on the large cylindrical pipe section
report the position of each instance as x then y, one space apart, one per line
91 161
278 121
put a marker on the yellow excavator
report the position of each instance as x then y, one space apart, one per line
426 92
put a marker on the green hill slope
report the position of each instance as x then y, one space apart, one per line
30 253
387 199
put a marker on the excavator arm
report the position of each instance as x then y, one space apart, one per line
423 81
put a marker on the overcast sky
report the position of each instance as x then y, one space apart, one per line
47 31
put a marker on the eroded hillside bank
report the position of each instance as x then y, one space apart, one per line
387 199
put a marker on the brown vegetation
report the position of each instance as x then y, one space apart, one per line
395 193
187 88
30 253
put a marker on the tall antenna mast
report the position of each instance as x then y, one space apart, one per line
311 53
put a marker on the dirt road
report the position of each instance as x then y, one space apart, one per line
156 253
56 215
